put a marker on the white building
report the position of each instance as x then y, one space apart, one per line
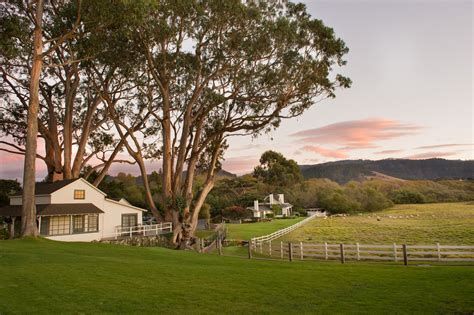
261 209
75 210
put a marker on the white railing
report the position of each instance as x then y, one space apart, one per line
257 240
143 230
393 252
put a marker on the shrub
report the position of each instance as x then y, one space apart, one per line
236 212
402 196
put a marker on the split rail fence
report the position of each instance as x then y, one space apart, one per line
394 252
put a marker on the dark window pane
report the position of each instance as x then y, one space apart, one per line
92 223
44 228
78 224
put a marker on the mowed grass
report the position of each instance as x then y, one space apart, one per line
246 231
444 223
46 277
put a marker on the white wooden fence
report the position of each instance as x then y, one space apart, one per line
394 252
266 238
144 230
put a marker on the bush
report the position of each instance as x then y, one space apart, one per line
4 235
402 196
236 212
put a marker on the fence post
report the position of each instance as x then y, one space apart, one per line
325 250
281 249
395 258
261 247
343 259
301 250
250 249
270 248
290 252
130 231
357 251
438 249
405 254
219 242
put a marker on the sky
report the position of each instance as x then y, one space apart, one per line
411 63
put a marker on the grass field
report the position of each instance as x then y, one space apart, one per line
46 277
444 223
248 230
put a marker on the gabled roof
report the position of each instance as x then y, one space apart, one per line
53 209
50 187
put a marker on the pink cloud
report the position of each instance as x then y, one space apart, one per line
447 145
338 154
389 152
357 134
429 155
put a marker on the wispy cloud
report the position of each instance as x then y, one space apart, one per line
446 145
338 154
358 134
429 155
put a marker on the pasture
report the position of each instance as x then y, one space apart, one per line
444 223
47 277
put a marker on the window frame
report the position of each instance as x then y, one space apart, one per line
83 191
135 215
46 227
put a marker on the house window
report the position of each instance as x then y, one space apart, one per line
92 223
69 224
78 224
129 220
57 225
79 194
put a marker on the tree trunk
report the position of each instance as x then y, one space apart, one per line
28 211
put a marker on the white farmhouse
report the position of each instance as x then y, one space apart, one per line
261 209
75 210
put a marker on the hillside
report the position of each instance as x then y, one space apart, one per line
431 169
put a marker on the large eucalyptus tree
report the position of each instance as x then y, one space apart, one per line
218 69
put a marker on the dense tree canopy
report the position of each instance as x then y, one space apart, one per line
275 169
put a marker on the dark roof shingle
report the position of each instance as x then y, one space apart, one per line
53 209
50 187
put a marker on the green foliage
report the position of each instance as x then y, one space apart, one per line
407 196
277 210
276 170
236 212
7 188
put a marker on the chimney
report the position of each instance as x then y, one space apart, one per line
255 205
281 197
57 176
270 199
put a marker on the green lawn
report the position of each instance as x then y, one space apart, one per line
246 231
446 223
46 277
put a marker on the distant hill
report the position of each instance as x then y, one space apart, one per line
390 169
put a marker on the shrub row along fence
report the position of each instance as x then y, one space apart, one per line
395 252
280 233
